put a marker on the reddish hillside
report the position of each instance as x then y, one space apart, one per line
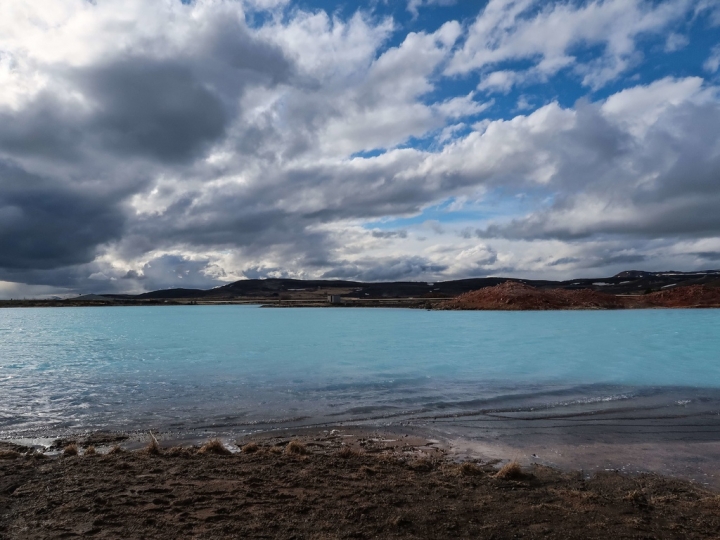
680 297
517 296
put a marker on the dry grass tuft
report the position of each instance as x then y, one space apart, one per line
70 450
153 448
346 453
470 469
214 446
250 448
9 454
90 451
296 447
117 449
275 450
510 471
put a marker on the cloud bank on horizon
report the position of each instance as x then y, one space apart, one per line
191 143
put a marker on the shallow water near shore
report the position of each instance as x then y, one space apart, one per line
517 378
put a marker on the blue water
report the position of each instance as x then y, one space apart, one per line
238 367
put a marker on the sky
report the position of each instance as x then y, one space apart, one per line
168 143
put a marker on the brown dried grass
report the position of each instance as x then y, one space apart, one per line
90 451
214 446
153 448
510 471
117 449
250 448
70 450
9 454
296 448
346 453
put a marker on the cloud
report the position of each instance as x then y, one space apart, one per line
389 234
169 271
18 291
642 163
675 42
550 35
499 81
711 8
45 223
709 255
712 64
385 269
155 109
146 145
100 127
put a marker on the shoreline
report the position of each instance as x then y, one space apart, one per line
693 461
354 483
6 304
668 431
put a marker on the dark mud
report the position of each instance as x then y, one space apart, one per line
334 485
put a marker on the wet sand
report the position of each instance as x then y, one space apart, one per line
662 433
680 441
325 483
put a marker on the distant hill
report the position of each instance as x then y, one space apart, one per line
628 282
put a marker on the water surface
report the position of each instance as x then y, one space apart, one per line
234 368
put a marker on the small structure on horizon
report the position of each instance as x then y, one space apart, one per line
334 299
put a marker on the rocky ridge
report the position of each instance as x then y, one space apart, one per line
515 296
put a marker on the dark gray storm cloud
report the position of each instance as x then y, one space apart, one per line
45 224
73 156
389 234
151 108
713 256
390 269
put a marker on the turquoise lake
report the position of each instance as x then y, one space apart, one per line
236 368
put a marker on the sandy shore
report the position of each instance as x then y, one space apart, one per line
344 483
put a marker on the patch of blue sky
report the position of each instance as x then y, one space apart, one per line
258 19
428 143
433 16
450 87
366 154
495 205
342 10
